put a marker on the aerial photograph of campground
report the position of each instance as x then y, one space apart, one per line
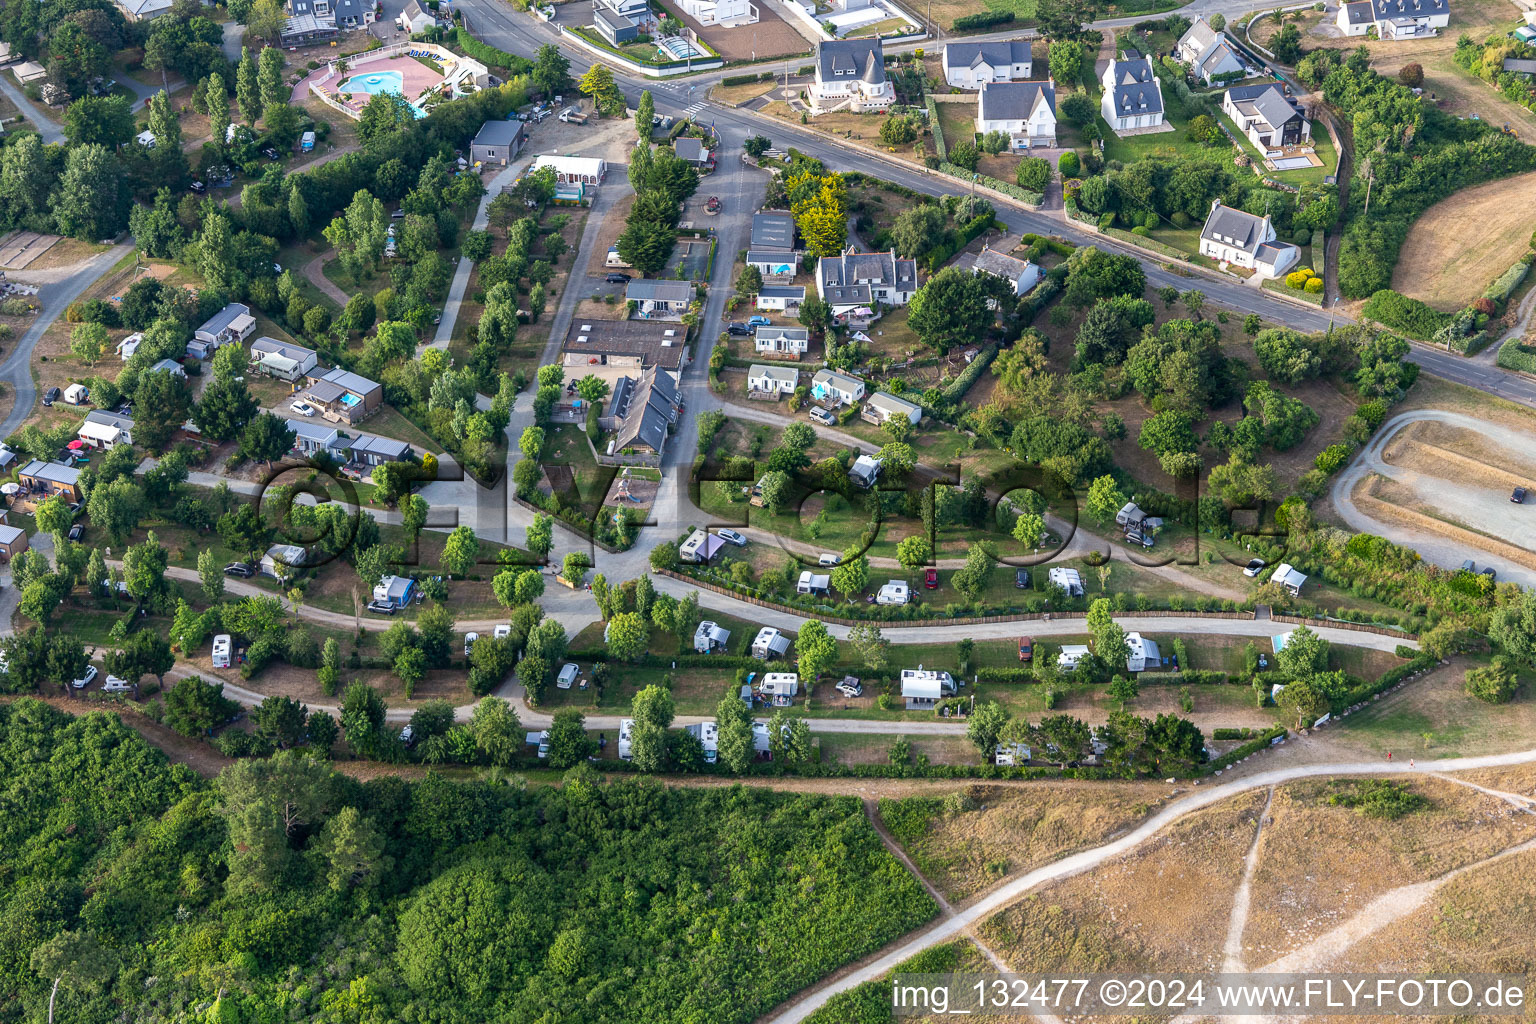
767 511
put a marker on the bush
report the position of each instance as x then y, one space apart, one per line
983 20
1492 684
1298 278
1516 356
1034 173
1068 164
1401 313
1314 285
467 43
1507 282
1332 458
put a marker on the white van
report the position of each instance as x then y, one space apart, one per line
221 650
568 674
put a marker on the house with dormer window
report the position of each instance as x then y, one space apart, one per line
1024 111
1133 97
1394 19
854 282
850 75
1245 240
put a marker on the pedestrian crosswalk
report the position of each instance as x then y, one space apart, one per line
693 110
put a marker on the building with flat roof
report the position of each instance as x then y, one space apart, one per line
610 349
497 142
344 396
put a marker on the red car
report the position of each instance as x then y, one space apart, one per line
1026 648
931 579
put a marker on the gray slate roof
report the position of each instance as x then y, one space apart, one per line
1233 227
1411 8
497 133
993 54
690 149
1267 102
841 275
224 317
1359 12
773 229
353 382
783 291
645 409
1136 87
271 346
54 472
107 418
1015 101
850 58
1520 65
642 288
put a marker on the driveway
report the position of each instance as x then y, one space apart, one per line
50 132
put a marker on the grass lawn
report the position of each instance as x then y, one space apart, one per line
1309 175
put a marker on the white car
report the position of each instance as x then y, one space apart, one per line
732 537
469 642
303 408
407 735
114 684
827 558
87 679
1254 567
848 689
503 631
568 674
221 649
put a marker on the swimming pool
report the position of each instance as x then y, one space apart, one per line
372 83
349 400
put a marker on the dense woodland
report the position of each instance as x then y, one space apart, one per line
284 891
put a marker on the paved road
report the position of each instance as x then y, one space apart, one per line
1482 508
16 370
948 928
47 129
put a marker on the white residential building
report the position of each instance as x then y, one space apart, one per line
728 13
1209 54
1022 274
850 75
1245 240
883 405
1269 117
1133 97
970 65
787 341
780 298
1394 19
573 170
1024 111
772 380
856 281
830 385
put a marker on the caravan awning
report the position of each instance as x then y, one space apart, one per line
279 363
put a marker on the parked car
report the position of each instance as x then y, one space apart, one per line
1469 566
827 558
931 578
222 645
1490 572
1026 648
1254 567
1021 579
617 278
114 684
303 408
1518 497
469 642
75 508
850 688
407 735
737 329
87 679
821 415
758 320
244 570
567 676
77 531
732 537
50 396
382 607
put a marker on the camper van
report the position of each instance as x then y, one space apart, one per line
221 650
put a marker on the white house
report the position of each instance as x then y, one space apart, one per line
850 75
772 264
728 13
1394 19
780 298
883 405
284 356
657 298
105 429
1022 274
1133 97
1144 655
233 323
855 281
787 341
1209 54
1245 240
1267 116
573 170
772 380
922 688
830 385
970 65
1024 111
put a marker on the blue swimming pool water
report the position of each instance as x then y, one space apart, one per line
350 400
374 82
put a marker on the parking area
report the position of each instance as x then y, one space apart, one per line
772 36
690 259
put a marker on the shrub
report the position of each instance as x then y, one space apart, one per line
1314 285
1493 684
1330 459
985 19
1507 282
1298 278
1377 798
1401 313
1484 305
1068 164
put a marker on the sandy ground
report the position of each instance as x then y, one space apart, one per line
1448 273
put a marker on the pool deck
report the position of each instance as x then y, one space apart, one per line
415 79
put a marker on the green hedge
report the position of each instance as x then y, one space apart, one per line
1253 746
968 376
997 184
766 76
1244 733
1507 282
1386 681
939 145
1193 676
982 20
684 661
1516 356
1410 316
489 54
1007 674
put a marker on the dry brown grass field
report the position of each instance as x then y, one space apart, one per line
1440 267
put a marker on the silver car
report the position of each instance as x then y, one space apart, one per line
732 537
